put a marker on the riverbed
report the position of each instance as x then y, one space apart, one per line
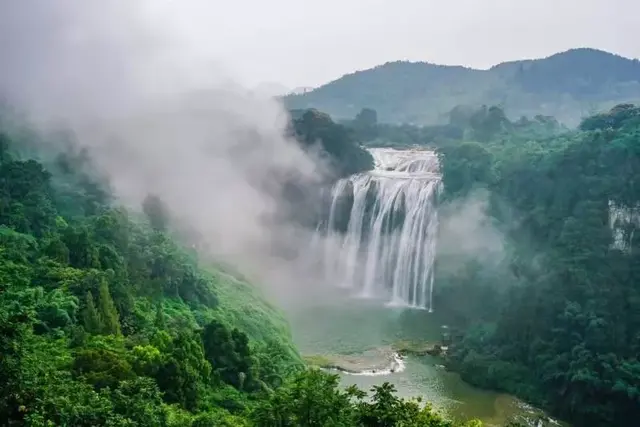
355 328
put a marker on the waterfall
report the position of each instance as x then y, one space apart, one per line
381 229
624 221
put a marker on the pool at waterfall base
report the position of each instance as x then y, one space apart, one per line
358 338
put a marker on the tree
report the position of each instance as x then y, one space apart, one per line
229 355
335 140
159 321
556 324
156 212
366 124
185 373
466 166
310 399
108 312
92 320
15 329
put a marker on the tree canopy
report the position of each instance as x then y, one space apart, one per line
555 319
105 320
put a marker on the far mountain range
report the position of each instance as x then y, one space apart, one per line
568 85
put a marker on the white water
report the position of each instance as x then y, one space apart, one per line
623 221
386 249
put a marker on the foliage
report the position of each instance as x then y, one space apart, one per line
556 320
313 398
568 85
115 299
336 142
485 124
106 321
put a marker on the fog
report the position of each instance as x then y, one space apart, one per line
161 116
467 233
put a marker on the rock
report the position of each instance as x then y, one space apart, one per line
420 348
376 361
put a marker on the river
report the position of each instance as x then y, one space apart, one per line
351 327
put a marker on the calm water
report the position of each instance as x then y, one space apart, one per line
353 326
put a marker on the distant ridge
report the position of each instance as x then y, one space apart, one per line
568 85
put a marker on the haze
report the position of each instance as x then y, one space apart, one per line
123 75
292 43
160 115
297 43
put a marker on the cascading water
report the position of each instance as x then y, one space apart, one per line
385 224
624 221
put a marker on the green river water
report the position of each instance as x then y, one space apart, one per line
353 326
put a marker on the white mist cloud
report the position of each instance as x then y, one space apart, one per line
467 232
160 116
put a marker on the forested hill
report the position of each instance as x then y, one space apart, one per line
554 316
568 85
107 320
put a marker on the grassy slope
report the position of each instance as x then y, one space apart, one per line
243 306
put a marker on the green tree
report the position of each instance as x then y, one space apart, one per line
108 312
159 321
229 355
156 212
92 320
555 321
465 166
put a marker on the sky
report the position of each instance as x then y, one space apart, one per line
304 43
301 43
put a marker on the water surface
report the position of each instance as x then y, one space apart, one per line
353 326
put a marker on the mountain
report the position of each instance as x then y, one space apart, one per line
567 85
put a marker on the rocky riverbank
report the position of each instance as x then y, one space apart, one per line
376 361
420 348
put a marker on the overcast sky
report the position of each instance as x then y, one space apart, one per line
300 43
307 43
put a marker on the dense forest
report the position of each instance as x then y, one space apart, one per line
462 123
566 333
106 319
554 317
568 85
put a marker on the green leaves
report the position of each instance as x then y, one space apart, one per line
568 323
107 321
343 153
314 398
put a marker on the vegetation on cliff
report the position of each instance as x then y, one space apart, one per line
335 142
554 317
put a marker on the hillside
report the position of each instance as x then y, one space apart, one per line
567 85
107 319
553 318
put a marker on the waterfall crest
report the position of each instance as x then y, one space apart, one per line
385 224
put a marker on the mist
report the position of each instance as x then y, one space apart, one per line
467 233
161 116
